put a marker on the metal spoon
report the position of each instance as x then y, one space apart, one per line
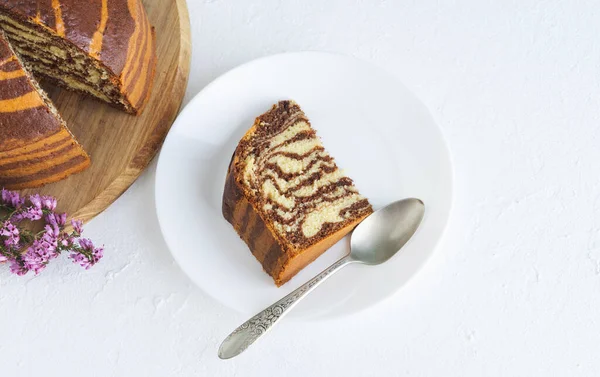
373 242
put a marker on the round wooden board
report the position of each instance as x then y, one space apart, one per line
120 145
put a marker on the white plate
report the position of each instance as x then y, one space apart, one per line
378 132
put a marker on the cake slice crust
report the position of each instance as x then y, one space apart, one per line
285 196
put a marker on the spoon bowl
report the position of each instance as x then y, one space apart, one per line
381 235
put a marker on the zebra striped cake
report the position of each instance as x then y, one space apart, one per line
103 48
35 146
285 195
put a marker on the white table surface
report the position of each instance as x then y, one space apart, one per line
514 286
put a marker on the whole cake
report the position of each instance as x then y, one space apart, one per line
35 146
104 48
285 196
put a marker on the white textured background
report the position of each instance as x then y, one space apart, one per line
514 288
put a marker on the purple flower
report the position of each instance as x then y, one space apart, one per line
56 220
34 262
80 259
12 198
77 226
42 250
29 213
51 232
89 255
86 244
49 203
66 241
46 245
36 200
17 267
11 234
98 254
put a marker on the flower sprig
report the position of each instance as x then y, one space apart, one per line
27 251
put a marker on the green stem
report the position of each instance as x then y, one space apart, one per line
10 211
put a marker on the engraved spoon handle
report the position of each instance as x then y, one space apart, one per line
242 337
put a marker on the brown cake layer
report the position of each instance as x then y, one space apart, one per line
35 146
285 196
104 48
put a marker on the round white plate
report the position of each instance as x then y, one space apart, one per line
378 132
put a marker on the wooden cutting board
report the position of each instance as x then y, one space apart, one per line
122 145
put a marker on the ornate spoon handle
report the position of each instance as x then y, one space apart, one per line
242 337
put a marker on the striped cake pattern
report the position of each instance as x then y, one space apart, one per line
105 48
285 193
35 147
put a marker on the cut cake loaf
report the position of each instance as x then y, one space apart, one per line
104 48
35 146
